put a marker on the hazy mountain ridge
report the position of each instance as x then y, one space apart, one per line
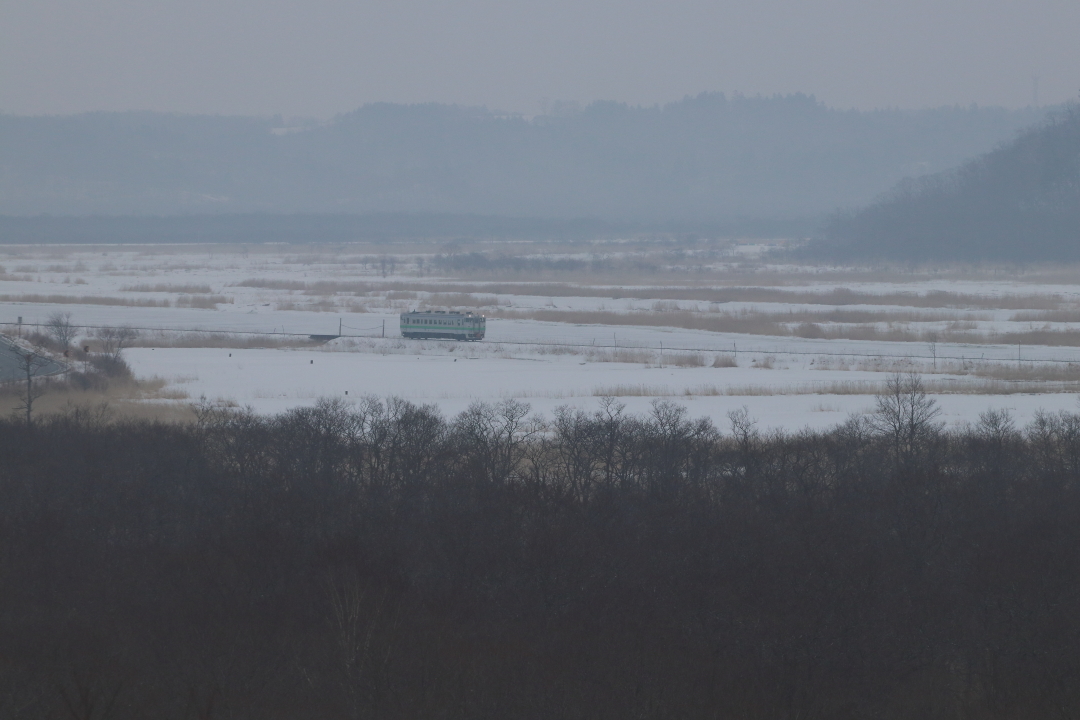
705 158
1019 202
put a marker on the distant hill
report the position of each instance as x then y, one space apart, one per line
1020 202
710 158
299 228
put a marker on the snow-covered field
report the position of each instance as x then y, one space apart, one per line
275 380
712 326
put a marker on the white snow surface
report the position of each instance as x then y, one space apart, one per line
512 362
271 381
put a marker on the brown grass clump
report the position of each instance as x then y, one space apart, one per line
621 355
108 406
809 330
103 387
202 302
680 359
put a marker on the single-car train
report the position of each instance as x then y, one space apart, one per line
443 324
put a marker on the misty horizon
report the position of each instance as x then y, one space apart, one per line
325 57
545 108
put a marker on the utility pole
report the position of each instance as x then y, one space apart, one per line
339 327
30 363
384 328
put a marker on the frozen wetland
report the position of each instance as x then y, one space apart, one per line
713 325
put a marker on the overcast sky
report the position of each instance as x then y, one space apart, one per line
316 58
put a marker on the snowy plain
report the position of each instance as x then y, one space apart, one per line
274 380
785 380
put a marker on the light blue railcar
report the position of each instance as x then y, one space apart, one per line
443 324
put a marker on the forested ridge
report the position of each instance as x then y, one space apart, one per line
1020 202
704 159
379 560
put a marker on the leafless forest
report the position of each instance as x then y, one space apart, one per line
379 560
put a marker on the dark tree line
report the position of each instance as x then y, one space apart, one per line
1020 202
381 561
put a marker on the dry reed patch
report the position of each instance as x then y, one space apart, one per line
202 302
1030 373
138 399
271 284
1059 315
751 323
65 269
742 390
323 304
683 359
844 387
672 293
170 339
1052 338
1016 372
693 321
989 386
622 355
189 289
458 300
84 300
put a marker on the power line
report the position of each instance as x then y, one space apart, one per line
350 327
621 345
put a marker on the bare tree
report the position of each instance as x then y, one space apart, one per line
495 435
932 339
114 339
29 365
88 700
996 426
905 414
363 628
743 427
59 326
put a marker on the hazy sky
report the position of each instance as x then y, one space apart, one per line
320 57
